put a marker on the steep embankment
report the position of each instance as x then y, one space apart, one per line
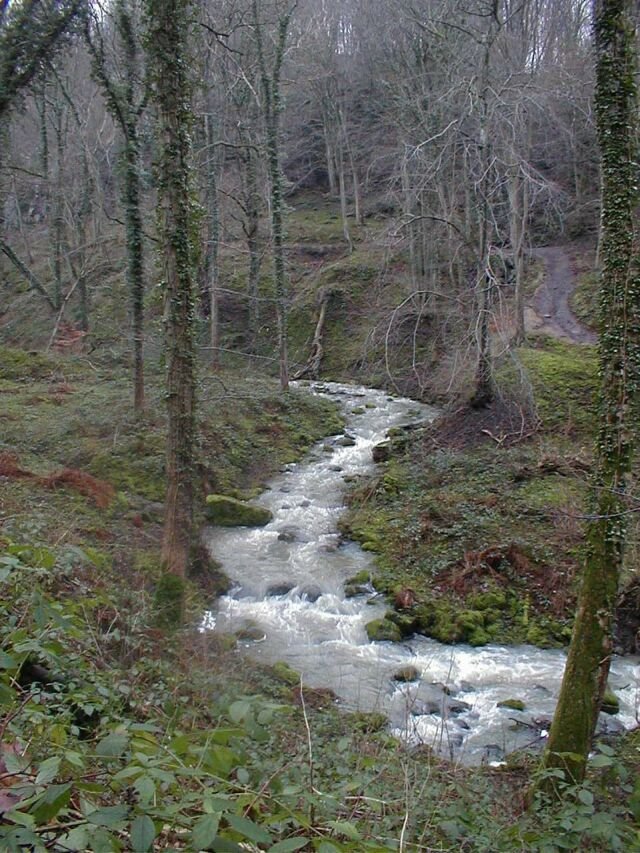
480 515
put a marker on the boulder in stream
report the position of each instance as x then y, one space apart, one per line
279 589
225 511
406 674
381 452
379 630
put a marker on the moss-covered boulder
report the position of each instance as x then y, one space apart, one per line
512 704
610 703
379 630
230 512
286 673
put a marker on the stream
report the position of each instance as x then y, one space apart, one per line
288 599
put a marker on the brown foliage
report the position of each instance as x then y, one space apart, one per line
10 467
98 490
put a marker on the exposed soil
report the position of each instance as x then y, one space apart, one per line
550 312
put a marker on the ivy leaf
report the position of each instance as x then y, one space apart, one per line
204 831
143 833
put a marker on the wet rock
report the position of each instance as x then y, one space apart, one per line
285 506
311 593
288 534
345 440
456 707
441 686
279 589
250 633
467 687
359 410
462 724
513 704
285 489
304 504
492 752
541 690
230 512
607 725
336 468
381 452
328 448
406 674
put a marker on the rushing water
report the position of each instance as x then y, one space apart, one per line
289 594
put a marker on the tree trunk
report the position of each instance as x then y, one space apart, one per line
212 242
271 106
589 656
167 47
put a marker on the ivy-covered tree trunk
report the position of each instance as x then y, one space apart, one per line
271 107
589 657
126 105
167 35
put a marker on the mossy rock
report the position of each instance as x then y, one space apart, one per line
610 703
406 674
380 630
512 704
226 511
286 673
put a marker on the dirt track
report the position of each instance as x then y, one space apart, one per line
549 311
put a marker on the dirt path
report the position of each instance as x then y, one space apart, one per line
549 311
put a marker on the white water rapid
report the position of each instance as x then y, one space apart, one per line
289 580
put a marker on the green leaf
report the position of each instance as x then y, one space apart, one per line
101 841
76 839
238 711
109 816
112 746
143 833
327 847
7 695
249 829
585 797
6 661
146 788
48 770
204 831
289 845
344 828
54 799
601 761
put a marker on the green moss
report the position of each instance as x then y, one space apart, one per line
513 704
584 300
18 365
564 381
286 673
379 630
610 703
225 511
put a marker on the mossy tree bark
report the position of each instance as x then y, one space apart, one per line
589 656
270 86
167 39
126 101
